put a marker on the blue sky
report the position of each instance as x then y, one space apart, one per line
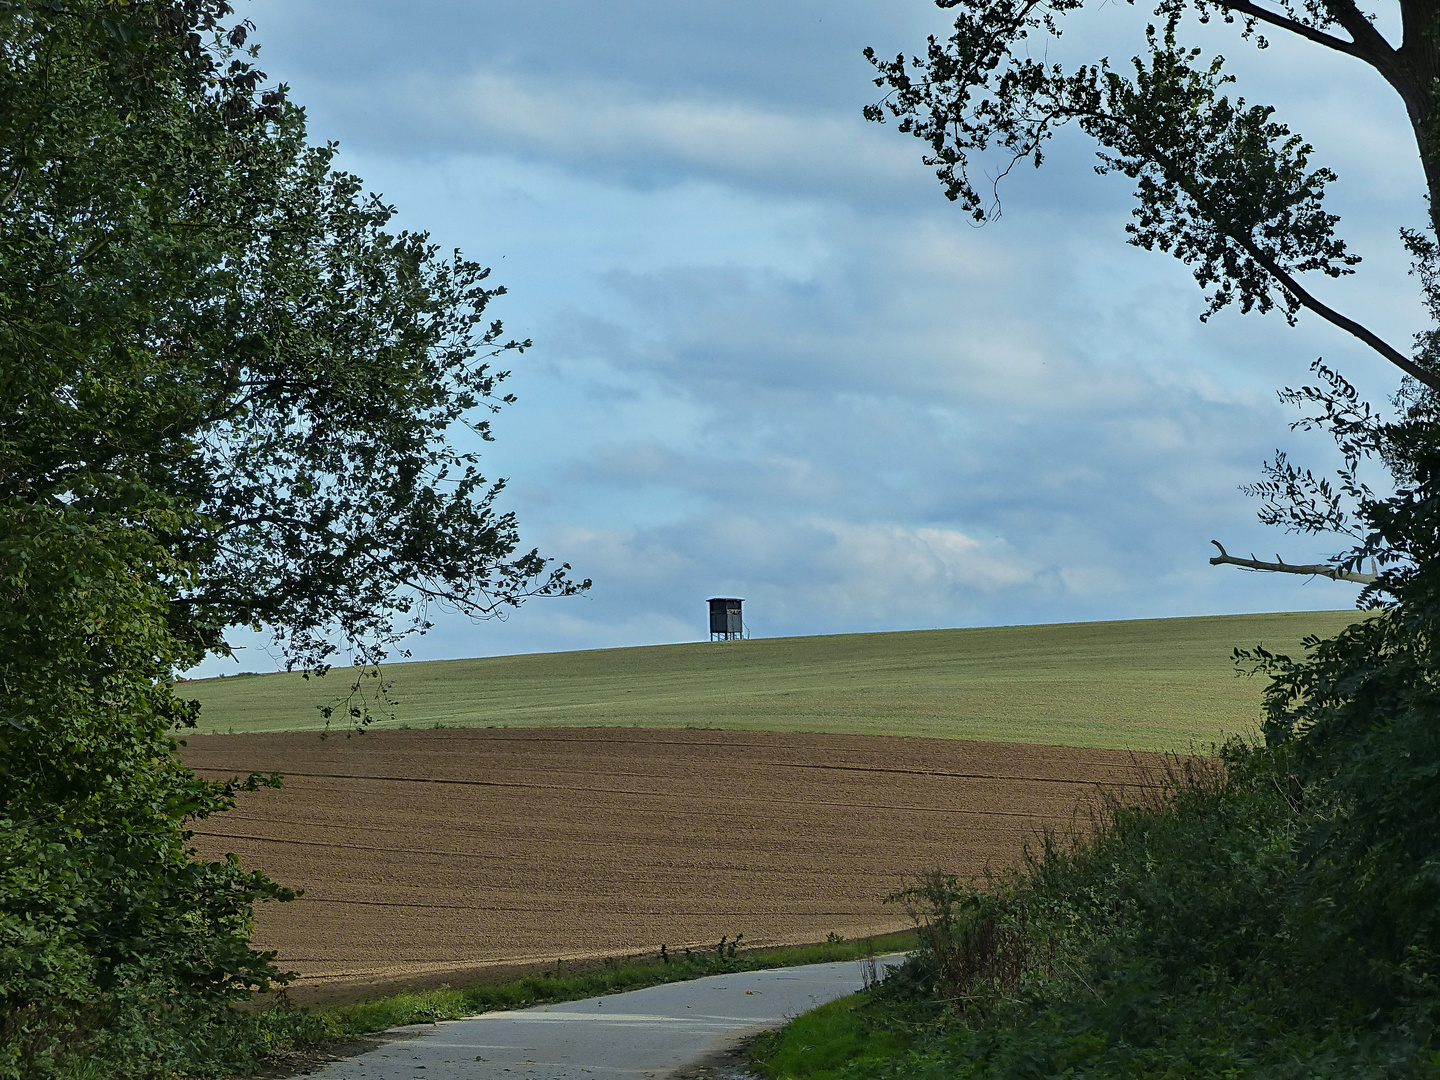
772 361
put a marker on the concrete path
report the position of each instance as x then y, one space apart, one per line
631 1036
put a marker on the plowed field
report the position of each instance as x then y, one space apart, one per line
430 854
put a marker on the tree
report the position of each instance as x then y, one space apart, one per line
234 328
230 398
1229 190
1220 184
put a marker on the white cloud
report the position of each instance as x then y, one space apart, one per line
873 565
797 570
640 132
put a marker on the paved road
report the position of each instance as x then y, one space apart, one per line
631 1036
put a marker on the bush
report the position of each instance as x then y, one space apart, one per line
1275 910
119 952
1200 935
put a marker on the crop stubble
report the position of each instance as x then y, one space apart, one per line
442 853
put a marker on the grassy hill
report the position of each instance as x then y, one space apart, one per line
1153 684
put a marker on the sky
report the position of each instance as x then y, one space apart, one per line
772 361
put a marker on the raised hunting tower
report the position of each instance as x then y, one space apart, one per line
726 623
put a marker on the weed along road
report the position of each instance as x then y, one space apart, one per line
640 1034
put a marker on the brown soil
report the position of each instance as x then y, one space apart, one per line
434 856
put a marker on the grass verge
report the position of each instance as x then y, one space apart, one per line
282 1039
839 1035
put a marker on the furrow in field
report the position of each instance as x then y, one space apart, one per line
933 774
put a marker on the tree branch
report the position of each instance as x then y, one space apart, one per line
1367 43
1295 26
14 188
1375 50
1282 567
1329 314
1287 281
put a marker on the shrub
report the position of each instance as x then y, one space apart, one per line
1201 934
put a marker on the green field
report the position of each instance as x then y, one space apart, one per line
1154 684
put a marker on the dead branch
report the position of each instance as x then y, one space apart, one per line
1280 566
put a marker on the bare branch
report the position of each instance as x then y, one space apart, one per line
1280 566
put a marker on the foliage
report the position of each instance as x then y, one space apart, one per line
228 395
1188 937
854 1032
114 944
1361 711
1220 183
1280 917
224 322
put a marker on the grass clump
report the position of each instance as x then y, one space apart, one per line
840 1035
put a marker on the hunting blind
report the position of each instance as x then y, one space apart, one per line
726 623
